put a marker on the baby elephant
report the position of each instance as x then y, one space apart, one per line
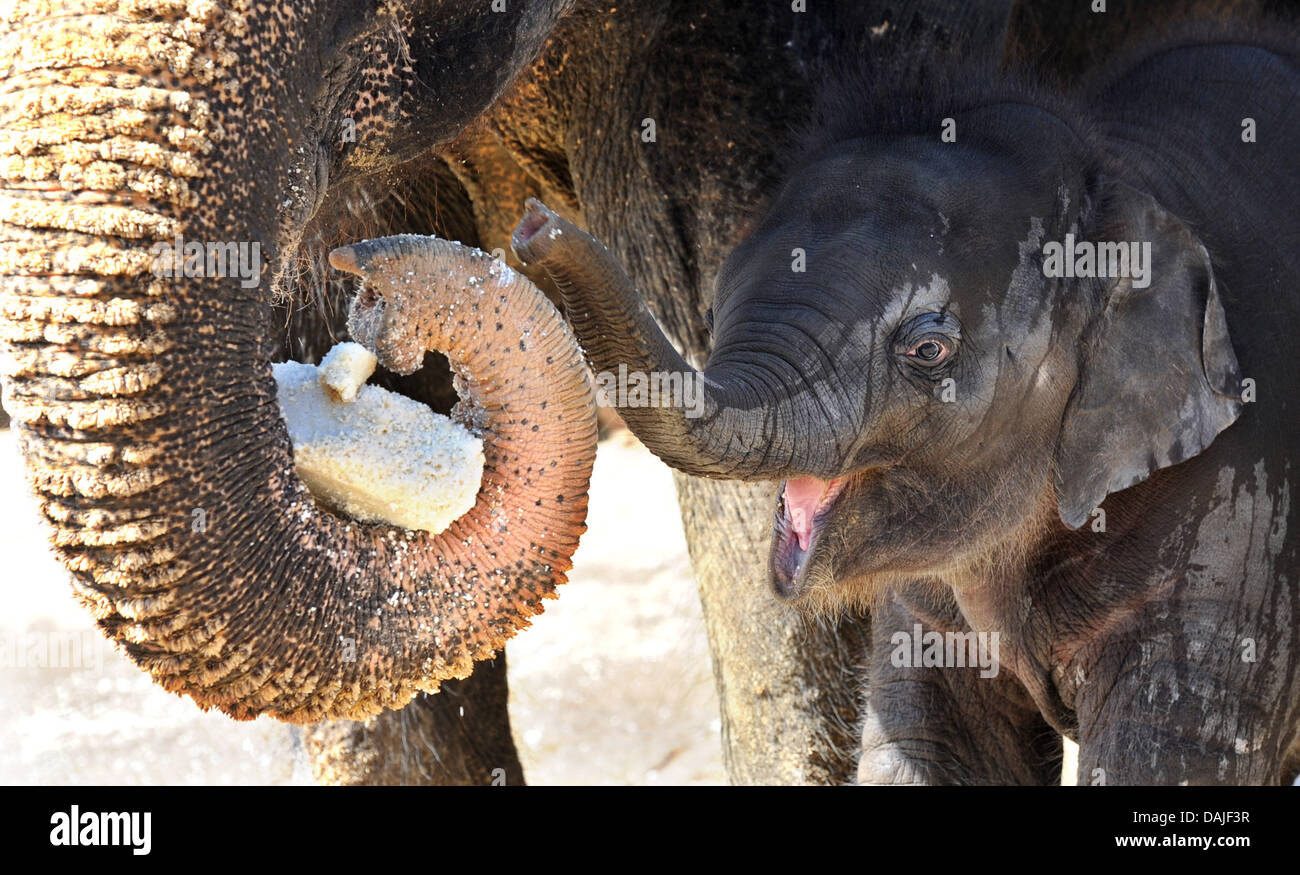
1024 363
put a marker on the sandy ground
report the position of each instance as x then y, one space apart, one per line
612 685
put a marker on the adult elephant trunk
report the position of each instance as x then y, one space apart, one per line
320 616
749 425
147 411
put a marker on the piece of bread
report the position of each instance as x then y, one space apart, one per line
372 454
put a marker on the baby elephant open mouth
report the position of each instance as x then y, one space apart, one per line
802 516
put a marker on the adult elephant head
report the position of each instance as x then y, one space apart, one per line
143 389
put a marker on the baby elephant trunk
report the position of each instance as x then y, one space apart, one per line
729 421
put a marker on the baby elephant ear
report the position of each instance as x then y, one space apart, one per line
1158 379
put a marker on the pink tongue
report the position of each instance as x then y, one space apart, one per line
802 495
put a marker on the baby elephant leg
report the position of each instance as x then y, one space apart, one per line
949 723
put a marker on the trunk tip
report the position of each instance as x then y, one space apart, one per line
537 218
345 259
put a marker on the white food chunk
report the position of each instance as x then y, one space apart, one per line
381 457
345 369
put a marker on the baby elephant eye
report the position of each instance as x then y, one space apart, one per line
928 341
929 351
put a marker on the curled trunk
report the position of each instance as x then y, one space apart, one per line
325 617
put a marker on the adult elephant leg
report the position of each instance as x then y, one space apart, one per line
789 687
460 736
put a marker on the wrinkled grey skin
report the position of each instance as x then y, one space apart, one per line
1095 471
549 82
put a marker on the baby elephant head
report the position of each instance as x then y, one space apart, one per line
998 342
905 340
